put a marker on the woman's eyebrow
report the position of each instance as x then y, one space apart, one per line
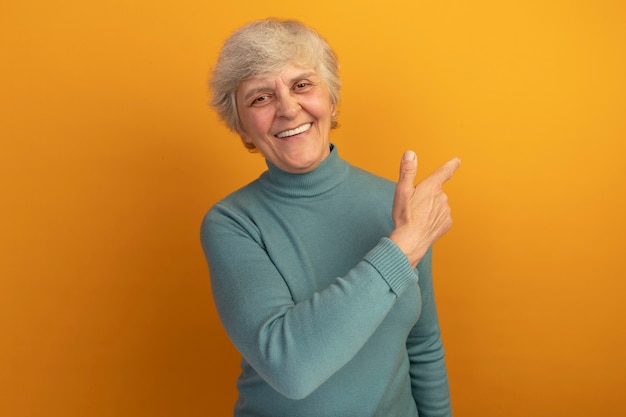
255 91
303 75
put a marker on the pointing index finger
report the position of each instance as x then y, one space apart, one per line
445 171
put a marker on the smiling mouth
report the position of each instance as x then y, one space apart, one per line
293 132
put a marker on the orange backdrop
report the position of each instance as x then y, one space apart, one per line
110 157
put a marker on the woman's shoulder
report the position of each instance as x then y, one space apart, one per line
371 180
236 203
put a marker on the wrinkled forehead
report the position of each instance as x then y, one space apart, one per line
288 74
274 66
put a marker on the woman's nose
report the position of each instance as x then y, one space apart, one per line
288 106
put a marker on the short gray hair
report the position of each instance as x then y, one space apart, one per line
264 48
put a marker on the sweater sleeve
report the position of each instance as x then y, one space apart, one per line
296 347
429 378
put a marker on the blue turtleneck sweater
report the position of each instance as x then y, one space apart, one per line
329 316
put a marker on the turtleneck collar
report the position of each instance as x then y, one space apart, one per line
330 173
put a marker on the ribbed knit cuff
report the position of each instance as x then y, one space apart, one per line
392 265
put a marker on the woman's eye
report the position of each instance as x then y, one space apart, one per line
259 100
302 85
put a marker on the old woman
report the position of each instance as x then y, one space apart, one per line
320 271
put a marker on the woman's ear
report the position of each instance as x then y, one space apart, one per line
245 138
247 141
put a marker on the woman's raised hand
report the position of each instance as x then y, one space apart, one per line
420 213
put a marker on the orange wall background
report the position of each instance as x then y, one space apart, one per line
110 157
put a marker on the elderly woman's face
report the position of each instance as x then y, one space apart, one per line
287 117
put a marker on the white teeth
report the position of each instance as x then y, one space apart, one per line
295 131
